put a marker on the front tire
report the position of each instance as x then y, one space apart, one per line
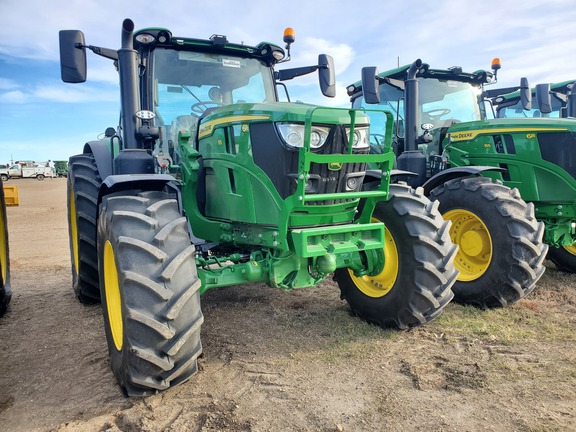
414 284
564 258
83 186
501 253
150 291
5 289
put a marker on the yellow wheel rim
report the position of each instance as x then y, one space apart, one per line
379 285
474 244
3 246
113 300
571 249
74 230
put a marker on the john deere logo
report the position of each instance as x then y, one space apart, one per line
334 166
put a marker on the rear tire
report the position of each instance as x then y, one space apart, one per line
564 258
501 253
40 177
4 177
5 289
150 291
83 186
414 285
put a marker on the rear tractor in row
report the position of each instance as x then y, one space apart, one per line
507 184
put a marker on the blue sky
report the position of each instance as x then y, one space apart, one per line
43 118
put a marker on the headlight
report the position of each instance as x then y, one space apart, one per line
293 135
361 136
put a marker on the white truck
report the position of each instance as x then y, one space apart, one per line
36 171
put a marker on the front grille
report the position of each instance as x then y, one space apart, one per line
281 163
559 148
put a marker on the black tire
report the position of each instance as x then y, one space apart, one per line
414 286
40 177
150 291
4 177
501 253
83 187
564 258
5 288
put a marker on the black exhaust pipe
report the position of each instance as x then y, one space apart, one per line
411 159
411 104
133 158
129 90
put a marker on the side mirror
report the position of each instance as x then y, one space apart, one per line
72 56
544 98
525 94
370 85
326 75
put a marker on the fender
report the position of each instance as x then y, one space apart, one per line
372 177
156 182
102 156
372 181
373 174
456 172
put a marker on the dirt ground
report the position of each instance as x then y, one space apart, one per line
276 361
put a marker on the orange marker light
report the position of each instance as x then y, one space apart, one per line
496 63
289 36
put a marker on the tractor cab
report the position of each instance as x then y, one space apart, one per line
444 98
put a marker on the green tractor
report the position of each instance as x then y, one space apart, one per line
552 101
61 168
481 171
209 181
5 289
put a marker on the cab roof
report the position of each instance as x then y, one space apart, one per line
455 73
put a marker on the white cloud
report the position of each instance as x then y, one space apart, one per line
72 95
58 93
14 96
8 84
50 147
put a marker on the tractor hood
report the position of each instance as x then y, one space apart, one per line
469 130
278 112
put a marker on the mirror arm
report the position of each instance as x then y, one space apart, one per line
103 52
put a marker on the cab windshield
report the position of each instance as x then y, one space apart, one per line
516 110
188 83
441 103
447 101
391 99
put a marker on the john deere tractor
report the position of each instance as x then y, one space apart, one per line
551 101
482 172
5 289
209 181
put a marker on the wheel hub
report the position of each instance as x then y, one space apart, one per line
379 285
472 243
469 232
